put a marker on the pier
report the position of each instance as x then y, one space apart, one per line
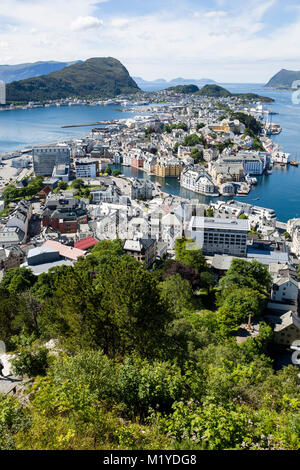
101 123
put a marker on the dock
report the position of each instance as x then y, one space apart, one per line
101 123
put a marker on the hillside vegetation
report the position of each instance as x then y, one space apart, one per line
216 91
144 360
97 77
185 89
283 79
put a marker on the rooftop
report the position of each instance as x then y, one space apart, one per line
65 251
220 223
86 243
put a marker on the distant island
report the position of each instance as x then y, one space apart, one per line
283 79
185 89
161 83
102 76
11 73
216 91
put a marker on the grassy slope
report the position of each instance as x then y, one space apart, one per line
92 78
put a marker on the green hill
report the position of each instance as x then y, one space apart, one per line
283 79
216 91
185 89
96 77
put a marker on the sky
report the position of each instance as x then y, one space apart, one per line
228 41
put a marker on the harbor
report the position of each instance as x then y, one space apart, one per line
276 188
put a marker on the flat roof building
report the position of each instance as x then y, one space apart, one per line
47 156
220 236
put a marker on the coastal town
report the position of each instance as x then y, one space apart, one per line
59 200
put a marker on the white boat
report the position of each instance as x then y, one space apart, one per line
250 180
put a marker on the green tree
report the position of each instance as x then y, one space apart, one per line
17 280
237 307
63 185
13 419
29 359
207 280
241 273
108 170
77 183
177 293
209 212
192 140
187 253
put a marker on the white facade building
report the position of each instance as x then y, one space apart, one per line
197 181
86 168
220 236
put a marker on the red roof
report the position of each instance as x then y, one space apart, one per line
46 190
85 243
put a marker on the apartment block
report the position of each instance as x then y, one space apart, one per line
220 236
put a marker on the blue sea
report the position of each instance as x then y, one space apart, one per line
280 191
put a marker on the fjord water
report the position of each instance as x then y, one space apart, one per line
23 128
280 191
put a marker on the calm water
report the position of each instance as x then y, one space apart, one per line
280 191
23 128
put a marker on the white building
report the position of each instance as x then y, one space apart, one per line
21 216
171 228
47 156
284 289
220 236
197 181
86 168
140 189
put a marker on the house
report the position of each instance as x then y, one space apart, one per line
21 216
140 189
11 236
143 250
64 214
86 243
171 228
286 328
11 257
284 288
44 193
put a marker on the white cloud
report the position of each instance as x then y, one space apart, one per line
83 23
215 43
215 14
120 22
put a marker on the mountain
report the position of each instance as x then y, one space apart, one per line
190 81
158 81
216 91
94 78
283 79
11 73
185 89
162 84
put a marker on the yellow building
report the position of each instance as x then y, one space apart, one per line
168 168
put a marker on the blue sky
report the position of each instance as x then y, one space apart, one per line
229 41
